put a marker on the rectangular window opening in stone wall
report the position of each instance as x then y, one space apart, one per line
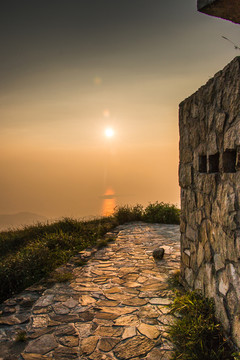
229 161
202 163
214 163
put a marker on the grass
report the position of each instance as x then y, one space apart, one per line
196 335
30 254
62 276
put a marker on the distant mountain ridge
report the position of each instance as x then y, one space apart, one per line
20 219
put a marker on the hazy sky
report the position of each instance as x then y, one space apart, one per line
69 69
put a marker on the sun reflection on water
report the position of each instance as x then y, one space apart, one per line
109 202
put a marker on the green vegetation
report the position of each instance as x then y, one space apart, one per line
153 213
30 254
61 276
196 335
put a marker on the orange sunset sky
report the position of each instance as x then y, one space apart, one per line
71 69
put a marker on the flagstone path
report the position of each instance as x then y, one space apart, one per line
113 308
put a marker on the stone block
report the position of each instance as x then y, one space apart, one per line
221 313
218 262
232 302
189 277
182 226
191 233
233 278
186 156
203 235
210 125
207 252
185 259
185 175
200 254
220 119
223 283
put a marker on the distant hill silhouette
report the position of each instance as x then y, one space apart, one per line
18 220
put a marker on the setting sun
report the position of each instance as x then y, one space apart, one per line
109 132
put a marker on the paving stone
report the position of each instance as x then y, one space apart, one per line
45 301
70 303
142 279
98 355
158 354
65 330
107 343
33 334
42 345
119 310
44 310
160 301
129 332
77 287
84 330
67 318
106 316
136 346
150 331
70 341
108 331
152 287
65 353
132 284
136 301
127 320
119 297
148 311
133 291
88 344
86 300
113 290
9 309
14 319
166 319
164 309
40 321
35 357
107 303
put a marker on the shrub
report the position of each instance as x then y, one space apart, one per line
196 335
153 213
128 213
162 213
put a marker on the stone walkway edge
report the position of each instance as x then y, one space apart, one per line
113 308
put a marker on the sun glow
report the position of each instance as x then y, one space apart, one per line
109 202
109 132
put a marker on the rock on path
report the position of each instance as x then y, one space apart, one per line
114 308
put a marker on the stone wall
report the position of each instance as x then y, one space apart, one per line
209 176
226 9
